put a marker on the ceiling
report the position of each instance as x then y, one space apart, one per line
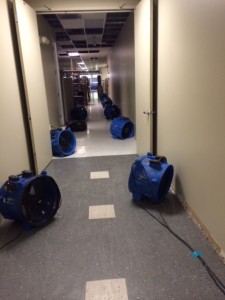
89 27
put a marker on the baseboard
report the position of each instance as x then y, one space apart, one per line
201 226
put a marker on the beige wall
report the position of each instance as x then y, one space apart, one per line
104 73
105 79
49 68
121 68
14 155
191 105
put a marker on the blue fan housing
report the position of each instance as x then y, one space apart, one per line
111 111
105 100
63 142
122 128
150 177
29 199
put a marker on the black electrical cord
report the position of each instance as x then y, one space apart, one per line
217 281
12 240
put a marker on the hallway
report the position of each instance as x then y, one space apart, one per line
119 253
97 140
101 245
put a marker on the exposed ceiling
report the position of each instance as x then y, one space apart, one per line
89 27
90 35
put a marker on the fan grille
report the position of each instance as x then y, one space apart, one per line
40 200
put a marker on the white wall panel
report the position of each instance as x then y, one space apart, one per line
50 74
143 75
34 85
121 66
191 106
14 155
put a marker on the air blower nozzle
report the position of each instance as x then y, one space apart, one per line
29 199
150 177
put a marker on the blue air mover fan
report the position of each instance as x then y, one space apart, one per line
105 100
150 177
63 142
122 128
79 113
111 111
31 200
102 97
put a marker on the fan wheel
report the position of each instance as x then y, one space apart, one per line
40 201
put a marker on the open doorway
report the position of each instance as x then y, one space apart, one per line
120 74
103 48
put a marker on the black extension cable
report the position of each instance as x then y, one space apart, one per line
216 280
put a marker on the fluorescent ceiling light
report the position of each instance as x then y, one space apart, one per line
82 65
73 54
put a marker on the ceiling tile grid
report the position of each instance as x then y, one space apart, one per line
90 34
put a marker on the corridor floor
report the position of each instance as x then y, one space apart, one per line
97 140
101 245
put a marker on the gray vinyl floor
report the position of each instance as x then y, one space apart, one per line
101 245
123 255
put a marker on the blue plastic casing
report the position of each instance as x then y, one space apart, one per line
111 111
150 177
122 128
105 100
63 142
23 193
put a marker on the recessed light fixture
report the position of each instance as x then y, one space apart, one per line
73 54
82 65
44 40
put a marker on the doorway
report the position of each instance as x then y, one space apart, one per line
128 87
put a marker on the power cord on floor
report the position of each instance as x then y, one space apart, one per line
12 240
214 277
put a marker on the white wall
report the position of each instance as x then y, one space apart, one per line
191 105
14 154
143 30
49 68
121 69
104 73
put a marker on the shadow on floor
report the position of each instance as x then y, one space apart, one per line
169 206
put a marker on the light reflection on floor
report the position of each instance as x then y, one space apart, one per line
97 140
